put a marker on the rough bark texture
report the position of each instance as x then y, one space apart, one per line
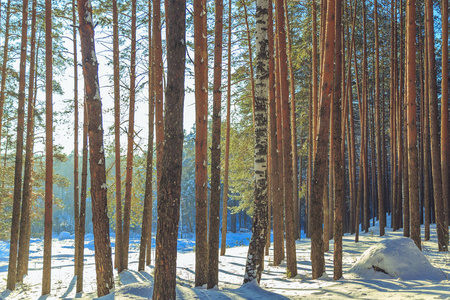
227 143
17 194
159 106
130 144
338 159
214 215
82 219
46 275
118 261
381 214
103 262
255 256
442 231
169 197
25 221
411 117
445 146
146 235
320 160
201 133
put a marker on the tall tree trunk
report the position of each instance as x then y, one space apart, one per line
82 217
169 198
46 276
338 159
250 57
293 126
287 146
442 231
214 216
17 194
4 65
393 90
255 256
278 204
25 221
103 262
146 235
118 261
381 214
411 116
201 141
130 144
227 142
159 90
445 143
364 128
426 142
317 255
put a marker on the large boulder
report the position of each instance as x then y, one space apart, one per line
396 258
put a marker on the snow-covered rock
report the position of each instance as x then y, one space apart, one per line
64 236
396 258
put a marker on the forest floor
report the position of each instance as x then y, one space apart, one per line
274 283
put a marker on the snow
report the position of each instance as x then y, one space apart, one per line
413 274
396 258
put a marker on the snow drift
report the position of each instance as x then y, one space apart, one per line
396 258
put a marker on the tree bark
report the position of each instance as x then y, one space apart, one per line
46 276
169 198
25 221
82 218
442 231
445 143
146 235
291 263
118 180
255 256
130 144
317 255
338 159
411 117
214 216
103 262
5 63
201 141
227 142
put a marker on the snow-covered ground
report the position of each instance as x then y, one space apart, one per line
431 284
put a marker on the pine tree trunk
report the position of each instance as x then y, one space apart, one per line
393 118
445 143
295 185
118 260
227 143
46 275
442 231
381 214
82 217
159 106
255 256
426 142
201 133
317 255
103 262
411 117
146 234
287 145
214 216
169 198
250 58
338 159
4 65
76 190
25 221
130 144
278 203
